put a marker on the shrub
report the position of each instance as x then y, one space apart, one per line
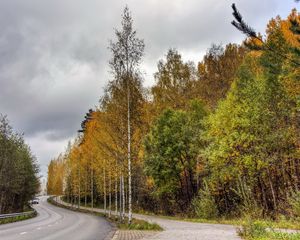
248 207
257 230
204 205
252 229
294 202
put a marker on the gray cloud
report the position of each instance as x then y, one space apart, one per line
53 53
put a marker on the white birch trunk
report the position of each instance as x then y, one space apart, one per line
123 199
109 213
120 208
92 189
79 190
104 187
116 196
129 152
86 187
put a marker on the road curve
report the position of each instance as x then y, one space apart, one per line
183 230
54 223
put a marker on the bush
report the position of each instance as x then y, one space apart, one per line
258 230
252 229
138 224
204 205
248 207
294 202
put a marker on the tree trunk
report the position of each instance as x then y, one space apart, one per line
109 213
272 191
116 197
123 199
79 190
120 208
92 189
129 152
85 186
104 188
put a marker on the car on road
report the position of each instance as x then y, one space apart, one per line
35 201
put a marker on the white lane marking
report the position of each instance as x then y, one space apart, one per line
39 228
22 233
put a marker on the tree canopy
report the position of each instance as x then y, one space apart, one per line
223 137
19 180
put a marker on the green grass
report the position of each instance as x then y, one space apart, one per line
282 222
138 224
275 236
18 218
135 225
278 236
259 230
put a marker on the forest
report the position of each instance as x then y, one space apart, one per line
220 138
19 180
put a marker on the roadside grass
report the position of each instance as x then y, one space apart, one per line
258 230
275 236
281 222
135 225
17 219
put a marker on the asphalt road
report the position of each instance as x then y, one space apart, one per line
183 230
54 223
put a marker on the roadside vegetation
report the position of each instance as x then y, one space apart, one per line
18 218
215 141
257 230
136 224
19 180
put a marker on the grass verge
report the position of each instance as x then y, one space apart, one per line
135 225
258 230
282 222
17 219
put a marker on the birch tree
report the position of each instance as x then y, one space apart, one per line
127 52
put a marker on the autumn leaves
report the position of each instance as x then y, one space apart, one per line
223 136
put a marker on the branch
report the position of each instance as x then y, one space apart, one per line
242 26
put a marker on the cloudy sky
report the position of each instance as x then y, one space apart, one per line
53 54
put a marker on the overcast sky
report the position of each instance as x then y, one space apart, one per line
54 56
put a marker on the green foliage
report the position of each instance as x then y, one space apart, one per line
18 170
171 153
138 224
248 206
204 204
257 230
246 148
235 134
253 230
18 218
250 134
294 201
